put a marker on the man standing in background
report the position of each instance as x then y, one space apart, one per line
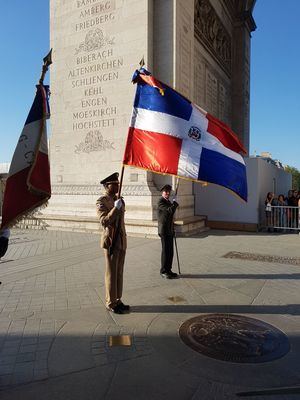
165 214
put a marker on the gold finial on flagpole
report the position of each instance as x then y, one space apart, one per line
47 61
142 62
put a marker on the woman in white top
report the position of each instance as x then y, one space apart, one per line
269 202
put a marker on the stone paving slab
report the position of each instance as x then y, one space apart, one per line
55 333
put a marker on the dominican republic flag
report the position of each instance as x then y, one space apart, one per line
28 183
170 135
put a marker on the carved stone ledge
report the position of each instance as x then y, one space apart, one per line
76 189
127 190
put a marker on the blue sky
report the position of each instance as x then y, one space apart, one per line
275 78
24 32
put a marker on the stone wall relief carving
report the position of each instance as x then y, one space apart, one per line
94 40
94 142
210 31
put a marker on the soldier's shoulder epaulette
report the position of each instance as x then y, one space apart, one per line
100 203
101 198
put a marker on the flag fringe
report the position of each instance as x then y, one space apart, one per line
28 214
166 174
187 179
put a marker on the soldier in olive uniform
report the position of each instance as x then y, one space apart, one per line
110 211
165 214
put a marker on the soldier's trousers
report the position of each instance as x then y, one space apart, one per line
167 252
114 276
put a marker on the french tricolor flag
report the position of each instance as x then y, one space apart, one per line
170 135
28 183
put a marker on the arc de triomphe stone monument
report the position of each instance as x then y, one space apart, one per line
200 47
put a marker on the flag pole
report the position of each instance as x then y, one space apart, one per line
47 61
175 241
121 182
114 227
177 186
142 63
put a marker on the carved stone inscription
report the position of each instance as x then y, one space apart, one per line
199 77
94 13
211 90
95 66
185 45
210 31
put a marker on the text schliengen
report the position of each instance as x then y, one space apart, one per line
93 80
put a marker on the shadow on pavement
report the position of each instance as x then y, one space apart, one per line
291 309
215 232
240 276
70 366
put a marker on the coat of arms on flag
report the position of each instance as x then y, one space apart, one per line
170 135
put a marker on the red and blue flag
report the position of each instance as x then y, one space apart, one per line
28 183
170 135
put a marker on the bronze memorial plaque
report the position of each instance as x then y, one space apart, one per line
119 340
234 338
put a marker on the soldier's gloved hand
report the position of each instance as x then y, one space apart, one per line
175 199
118 204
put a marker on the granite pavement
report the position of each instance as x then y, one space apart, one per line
57 341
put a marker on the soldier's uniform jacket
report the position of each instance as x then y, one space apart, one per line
165 213
110 218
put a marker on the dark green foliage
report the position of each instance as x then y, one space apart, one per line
295 176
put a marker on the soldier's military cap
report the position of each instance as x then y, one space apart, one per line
166 188
113 178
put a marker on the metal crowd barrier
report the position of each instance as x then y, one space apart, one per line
283 218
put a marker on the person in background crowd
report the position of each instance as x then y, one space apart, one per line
282 215
294 212
289 211
289 214
290 195
298 210
269 202
296 202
